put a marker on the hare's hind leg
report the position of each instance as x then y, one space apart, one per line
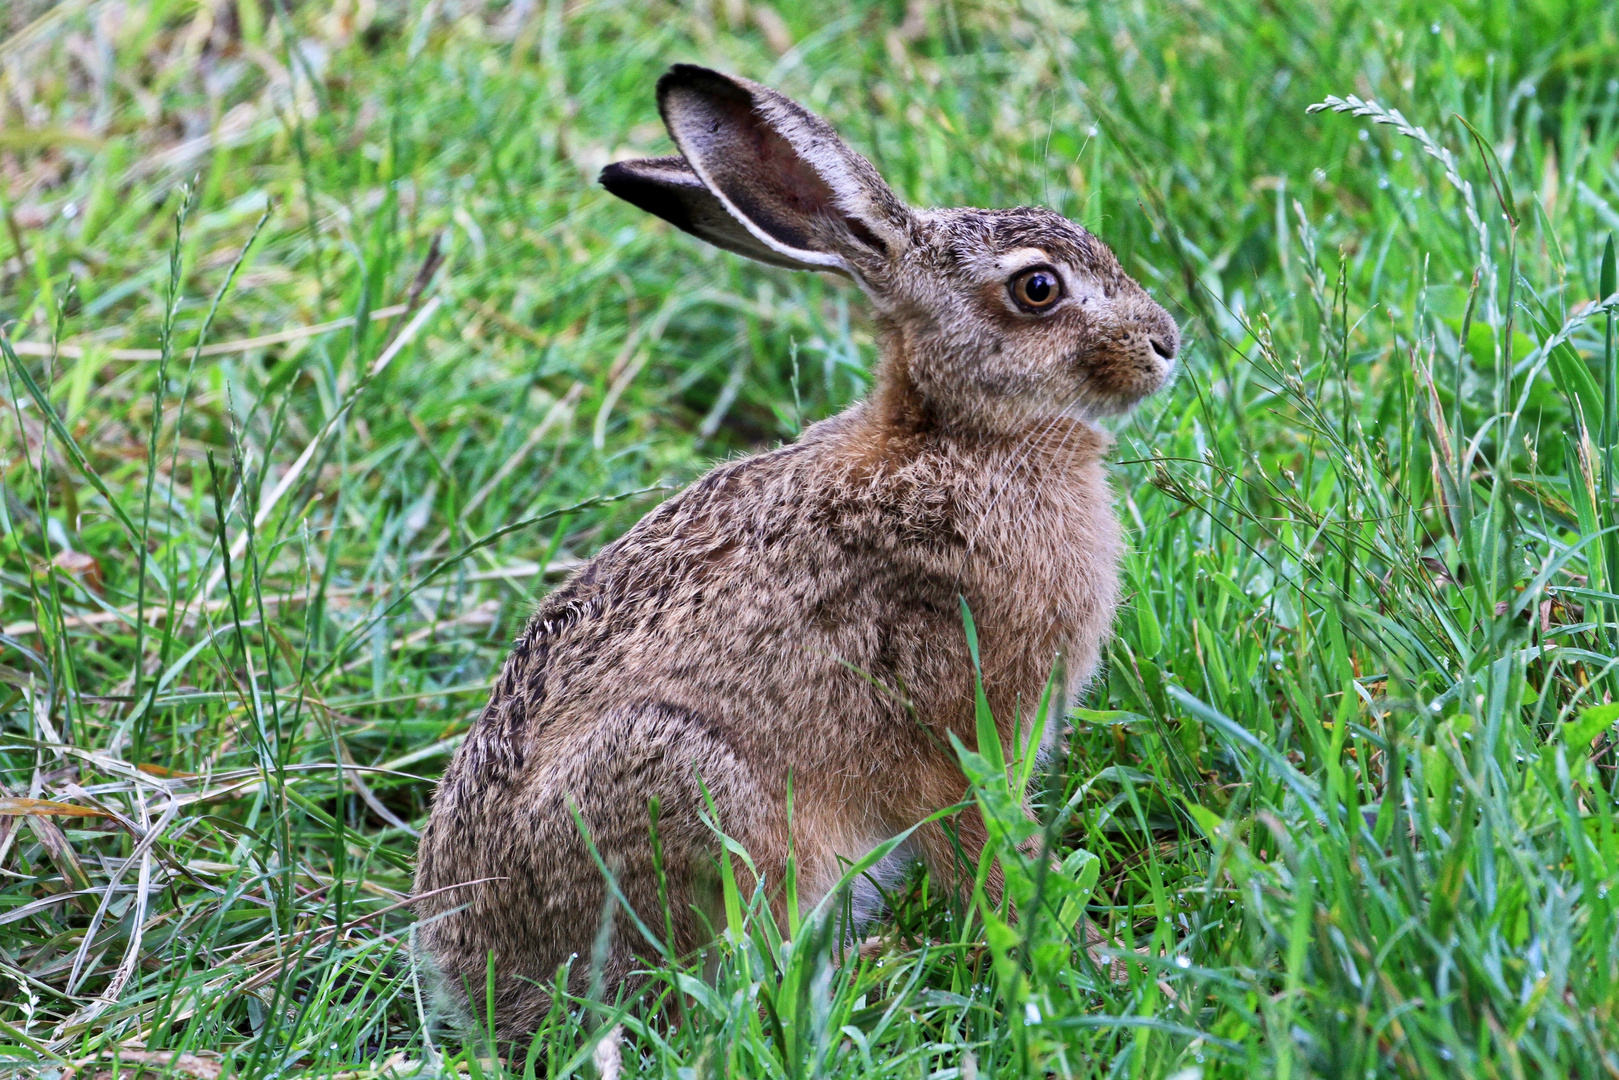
953 850
657 754
520 883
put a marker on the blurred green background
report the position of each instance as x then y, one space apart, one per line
330 289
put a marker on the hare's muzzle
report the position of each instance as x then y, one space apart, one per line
1159 336
1137 358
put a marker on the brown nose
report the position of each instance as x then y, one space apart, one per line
1163 348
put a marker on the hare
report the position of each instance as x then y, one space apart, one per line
794 617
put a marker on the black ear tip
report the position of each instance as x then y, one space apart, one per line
660 186
677 76
699 78
690 73
635 174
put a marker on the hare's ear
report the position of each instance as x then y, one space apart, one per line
667 187
782 173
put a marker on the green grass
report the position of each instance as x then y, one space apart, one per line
1349 779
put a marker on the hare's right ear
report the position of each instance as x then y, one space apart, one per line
783 174
667 187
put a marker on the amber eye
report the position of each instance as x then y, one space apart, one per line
1037 289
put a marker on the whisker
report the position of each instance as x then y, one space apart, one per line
1061 446
1023 453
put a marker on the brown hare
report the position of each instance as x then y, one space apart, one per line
794 617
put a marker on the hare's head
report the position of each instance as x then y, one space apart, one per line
995 319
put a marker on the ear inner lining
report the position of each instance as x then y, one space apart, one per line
776 186
763 195
760 172
862 232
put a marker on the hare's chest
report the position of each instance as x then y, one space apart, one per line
1051 568
1058 538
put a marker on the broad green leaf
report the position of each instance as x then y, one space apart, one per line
1591 723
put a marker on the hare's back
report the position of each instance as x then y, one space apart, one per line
771 591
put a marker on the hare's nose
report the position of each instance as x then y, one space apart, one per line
1163 348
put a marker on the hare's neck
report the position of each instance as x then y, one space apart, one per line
1030 490
896 405
1043 547
907 413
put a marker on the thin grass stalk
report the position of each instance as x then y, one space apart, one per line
159 392
1607 283
141 715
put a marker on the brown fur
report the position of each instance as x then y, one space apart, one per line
736 633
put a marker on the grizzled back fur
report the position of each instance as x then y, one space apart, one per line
794 617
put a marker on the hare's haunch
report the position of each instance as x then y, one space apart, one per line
795 616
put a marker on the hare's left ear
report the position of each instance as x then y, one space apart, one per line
782 173
667 187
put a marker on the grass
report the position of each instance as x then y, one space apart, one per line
1344 799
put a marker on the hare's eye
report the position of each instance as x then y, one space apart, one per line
1037 289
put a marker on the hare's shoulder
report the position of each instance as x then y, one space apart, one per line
723 509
